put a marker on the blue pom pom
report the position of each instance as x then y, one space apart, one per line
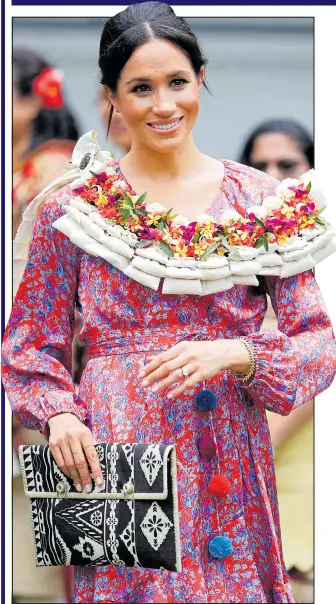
205 400
220 547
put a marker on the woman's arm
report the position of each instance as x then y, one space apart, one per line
36 352
297 361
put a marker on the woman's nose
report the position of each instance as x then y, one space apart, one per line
164 105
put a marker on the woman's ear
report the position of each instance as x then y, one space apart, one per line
201 77
111 97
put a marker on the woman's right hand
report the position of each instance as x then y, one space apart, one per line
72 446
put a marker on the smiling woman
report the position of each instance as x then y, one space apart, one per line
172 321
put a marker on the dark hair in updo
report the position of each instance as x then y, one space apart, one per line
136 25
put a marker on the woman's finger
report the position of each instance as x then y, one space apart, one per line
166 369
92 458
81 464
175 376
159 359
194 379
71 465
59 459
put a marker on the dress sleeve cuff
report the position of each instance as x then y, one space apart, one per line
273 385
55 402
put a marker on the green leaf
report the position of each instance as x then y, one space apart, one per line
166 248
265 242
259 242
195 238
321 221
261 224
308 187
140 212
224 240
144 243
209 251
160 226
141 199
128 200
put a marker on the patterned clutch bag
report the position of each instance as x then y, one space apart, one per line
131 521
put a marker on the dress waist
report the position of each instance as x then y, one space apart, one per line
151 340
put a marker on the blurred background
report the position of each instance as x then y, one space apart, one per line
261 74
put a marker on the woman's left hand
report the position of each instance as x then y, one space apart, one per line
200 361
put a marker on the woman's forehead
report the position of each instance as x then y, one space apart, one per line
156 57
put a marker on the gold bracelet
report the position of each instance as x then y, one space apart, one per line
245 377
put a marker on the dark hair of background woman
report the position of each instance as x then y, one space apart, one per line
49 123
289 127
136 25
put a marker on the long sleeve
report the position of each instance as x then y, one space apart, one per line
297 361
36 352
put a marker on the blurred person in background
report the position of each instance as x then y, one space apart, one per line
44 135
44 130
284 149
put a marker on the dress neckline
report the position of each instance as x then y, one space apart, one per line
208 210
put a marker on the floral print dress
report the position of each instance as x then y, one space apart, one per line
123 322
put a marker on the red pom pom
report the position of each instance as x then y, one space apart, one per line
207 447
219 485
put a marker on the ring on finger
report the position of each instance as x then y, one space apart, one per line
185 372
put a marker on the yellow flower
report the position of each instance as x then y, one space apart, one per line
282 239
181 249
101 200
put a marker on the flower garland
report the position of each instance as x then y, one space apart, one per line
294 210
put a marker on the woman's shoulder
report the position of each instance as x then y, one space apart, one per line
246 184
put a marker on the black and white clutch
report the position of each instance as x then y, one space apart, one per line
131 521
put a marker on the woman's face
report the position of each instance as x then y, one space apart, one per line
158 96
118 132
279 155
25 110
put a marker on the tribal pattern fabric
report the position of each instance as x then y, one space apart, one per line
131 521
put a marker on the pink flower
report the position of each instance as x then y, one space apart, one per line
79 190
101 177
299 193
148 233
111 199
188 232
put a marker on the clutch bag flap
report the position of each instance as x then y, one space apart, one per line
132 520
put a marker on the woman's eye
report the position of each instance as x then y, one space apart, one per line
179 82
141 88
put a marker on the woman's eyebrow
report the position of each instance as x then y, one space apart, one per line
169 76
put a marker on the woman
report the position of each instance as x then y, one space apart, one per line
44 131
151 352
283 148
117 130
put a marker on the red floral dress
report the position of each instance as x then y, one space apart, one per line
125 321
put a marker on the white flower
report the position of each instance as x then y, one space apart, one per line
259 211
155 208
120 184
316 191
282 189
181 220
228 215
205 218
273 202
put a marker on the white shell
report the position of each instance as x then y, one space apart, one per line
246 267
274 271
213 262
117 245
245 280
215 273
243 253
149 266
297 254
322 240
270 259
309 234
296 244
83 206
289 269
183 262
324 252
214 287
152 253
141 277
183 273
182 286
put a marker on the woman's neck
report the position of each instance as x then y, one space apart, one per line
162 167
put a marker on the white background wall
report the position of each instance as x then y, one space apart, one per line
258 69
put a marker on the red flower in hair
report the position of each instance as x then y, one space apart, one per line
48 85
